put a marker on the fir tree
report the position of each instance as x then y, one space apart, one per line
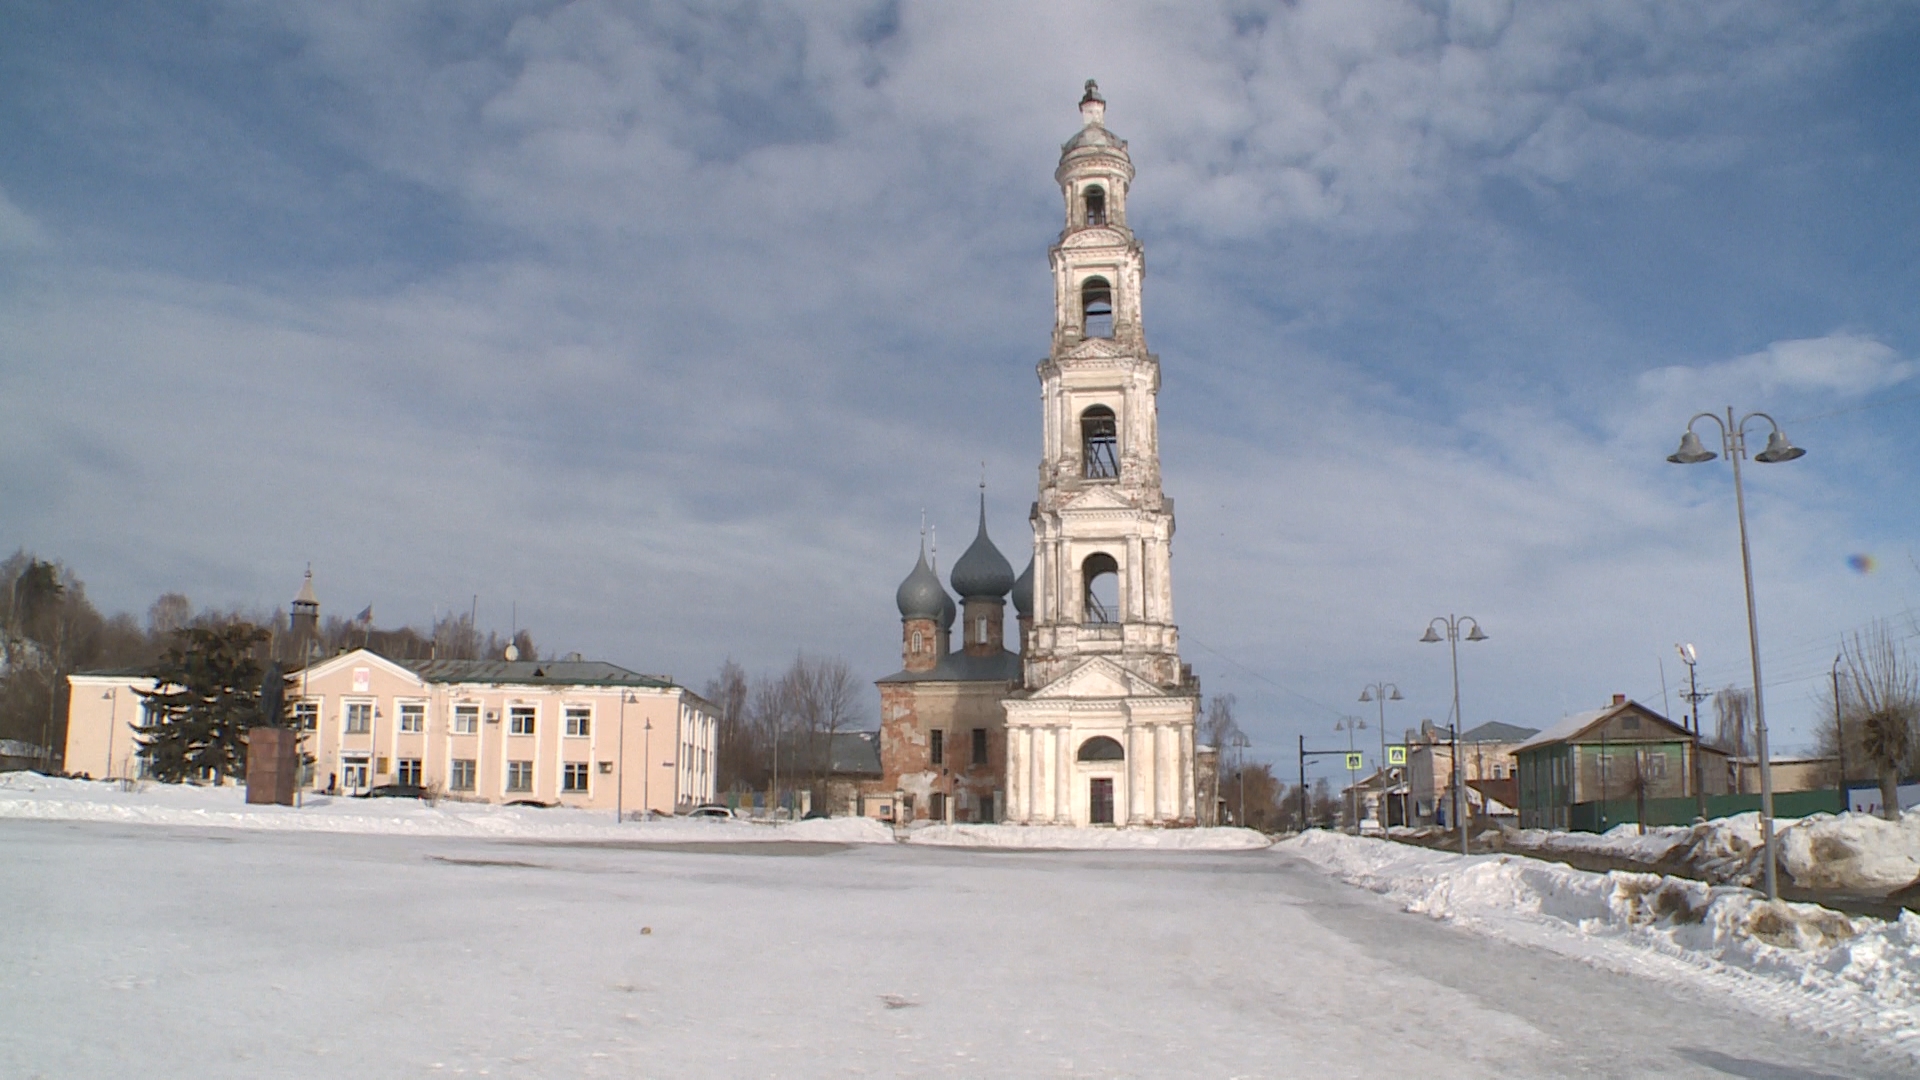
208 693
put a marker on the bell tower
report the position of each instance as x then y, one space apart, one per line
1102 729
1102 528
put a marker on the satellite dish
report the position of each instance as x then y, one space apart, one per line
513 653
1426 730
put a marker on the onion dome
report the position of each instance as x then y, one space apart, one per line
982 573
949 611
1023 592
920 596
1093 136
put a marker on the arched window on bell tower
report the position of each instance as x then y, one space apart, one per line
1096 308
1102 577
1096 206
1099 444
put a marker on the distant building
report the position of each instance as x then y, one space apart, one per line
1623 751
1486 754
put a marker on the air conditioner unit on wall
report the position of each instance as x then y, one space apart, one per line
493 716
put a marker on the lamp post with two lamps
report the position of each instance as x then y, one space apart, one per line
620 771
1383 692
1733 443
1240 742
1474 633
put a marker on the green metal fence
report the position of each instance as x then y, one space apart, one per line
1601 816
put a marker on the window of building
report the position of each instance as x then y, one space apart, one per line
413 717
466 719
980 630
520 720
1654 765
1099 444
306 715
979 746
1102 575
359 717
919 641
937 748
937 805
1101 748
573 776
986 808
409 771
465 770
1096 206
1096 308
519 776
579 720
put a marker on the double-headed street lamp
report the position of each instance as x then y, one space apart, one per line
1351 724
1383 692
1453 623
1733 443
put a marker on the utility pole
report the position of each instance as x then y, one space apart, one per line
1694 697
1840 738
1303 784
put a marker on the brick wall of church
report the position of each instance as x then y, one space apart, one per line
909 715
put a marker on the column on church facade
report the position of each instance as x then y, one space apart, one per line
1015 789
1063 776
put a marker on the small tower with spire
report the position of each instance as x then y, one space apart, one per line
303 616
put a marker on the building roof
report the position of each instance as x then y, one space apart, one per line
1493 731
532 673
1569 729
1023 592
1003 666
847 753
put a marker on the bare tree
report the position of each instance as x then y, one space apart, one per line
172 611
824 700
1733 721
1218 726
1880 688
734 756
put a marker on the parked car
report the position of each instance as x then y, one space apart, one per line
529 802
711 810
394 791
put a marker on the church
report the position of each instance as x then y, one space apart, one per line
1092 722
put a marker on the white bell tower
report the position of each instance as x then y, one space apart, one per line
1102 732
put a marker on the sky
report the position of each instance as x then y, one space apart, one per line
656 327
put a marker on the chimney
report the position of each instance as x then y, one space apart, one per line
1619 699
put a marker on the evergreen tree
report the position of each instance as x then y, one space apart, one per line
208 693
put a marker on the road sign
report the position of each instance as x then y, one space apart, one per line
1396 755
1355 762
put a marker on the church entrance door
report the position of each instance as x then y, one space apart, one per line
1100 789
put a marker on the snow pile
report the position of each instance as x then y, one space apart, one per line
1622 841
1856 853
1057 837
30 795
1815 965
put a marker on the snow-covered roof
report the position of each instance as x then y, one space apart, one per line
1573 725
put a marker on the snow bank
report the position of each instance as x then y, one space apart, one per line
30 795
1819 967
1064 837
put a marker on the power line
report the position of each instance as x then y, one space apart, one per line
1283 689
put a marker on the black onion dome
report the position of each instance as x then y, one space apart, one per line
920 596
1023 592
949 611
982 573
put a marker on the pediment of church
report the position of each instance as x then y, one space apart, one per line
1099 677
1102 497
1098 348
1095 238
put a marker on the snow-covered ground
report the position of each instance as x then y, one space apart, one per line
30 795
1062 838
1817 967
1854 853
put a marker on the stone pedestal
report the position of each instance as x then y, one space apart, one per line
273 765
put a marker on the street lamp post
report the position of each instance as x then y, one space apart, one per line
1733 443
113 714
1351 724
620 770
1380 692
646 769
1691 658
1240 743
1453 623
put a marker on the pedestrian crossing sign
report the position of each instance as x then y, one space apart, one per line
1396 755
1355 762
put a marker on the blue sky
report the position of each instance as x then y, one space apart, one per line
662 324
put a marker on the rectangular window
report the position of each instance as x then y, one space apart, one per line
979 746
573 776
409 771
519 776
520 720
359 717
579 720
937 748
1654 765
466 719
937 805
413 717
306 715
463 775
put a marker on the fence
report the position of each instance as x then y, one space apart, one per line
1601 816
